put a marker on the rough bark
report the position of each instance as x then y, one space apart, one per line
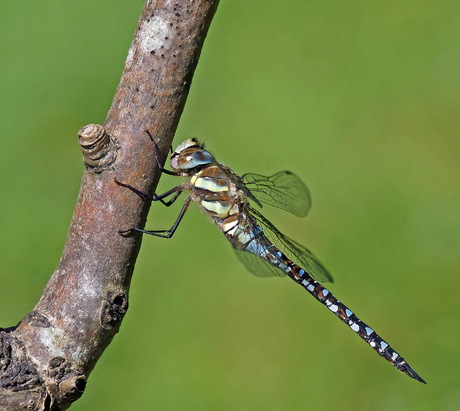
45 361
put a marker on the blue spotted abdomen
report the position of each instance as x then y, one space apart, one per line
324 296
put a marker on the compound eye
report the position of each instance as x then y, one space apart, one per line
191 158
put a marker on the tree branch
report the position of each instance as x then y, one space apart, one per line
45 361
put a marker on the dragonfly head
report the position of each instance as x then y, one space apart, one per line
190 154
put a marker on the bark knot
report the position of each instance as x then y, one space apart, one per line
113 309
65 384
99 149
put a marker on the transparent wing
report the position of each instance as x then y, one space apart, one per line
293 250
283 190
259 243
258 266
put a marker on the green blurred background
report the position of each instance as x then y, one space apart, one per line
360 99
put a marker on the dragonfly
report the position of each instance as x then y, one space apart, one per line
227 197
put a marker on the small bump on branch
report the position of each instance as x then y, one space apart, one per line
98 148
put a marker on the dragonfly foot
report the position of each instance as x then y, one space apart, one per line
126 233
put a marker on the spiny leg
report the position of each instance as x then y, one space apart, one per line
160 233
177 190
157 157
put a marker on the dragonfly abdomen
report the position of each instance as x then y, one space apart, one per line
324 296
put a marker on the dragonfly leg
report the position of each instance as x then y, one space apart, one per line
160 233
168 203
157 157
177 190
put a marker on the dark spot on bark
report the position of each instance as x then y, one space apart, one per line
81 384
17 373
118 300
113 309
56 362
9 329
47 403
68 382
73 387
152 52
35 319
177 14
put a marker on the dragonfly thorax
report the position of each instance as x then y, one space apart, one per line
189 155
